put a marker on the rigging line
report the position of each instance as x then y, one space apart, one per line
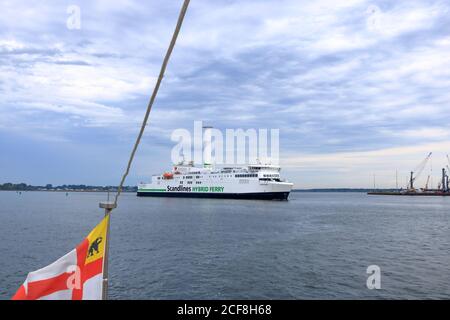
155 92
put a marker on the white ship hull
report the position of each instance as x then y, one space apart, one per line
270 191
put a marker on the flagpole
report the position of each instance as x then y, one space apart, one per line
108 206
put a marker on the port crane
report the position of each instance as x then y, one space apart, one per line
426 184
415 174
443 186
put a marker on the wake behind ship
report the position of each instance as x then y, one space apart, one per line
259 181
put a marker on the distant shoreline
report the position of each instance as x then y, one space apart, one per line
133 191
8 186
78 191
87 188
364 190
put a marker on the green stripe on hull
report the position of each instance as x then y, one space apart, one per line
152 190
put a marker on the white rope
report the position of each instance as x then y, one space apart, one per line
155 92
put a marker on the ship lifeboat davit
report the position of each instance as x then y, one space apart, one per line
168 175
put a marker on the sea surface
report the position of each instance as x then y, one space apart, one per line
314 246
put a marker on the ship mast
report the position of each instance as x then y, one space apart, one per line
207 146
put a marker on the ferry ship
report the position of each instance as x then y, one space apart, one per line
258 181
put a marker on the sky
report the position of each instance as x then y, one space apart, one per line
358 89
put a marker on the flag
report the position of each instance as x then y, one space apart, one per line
76 276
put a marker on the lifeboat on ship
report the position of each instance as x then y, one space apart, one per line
168 175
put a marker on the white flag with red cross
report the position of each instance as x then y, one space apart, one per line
76 276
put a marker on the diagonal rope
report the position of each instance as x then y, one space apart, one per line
155 92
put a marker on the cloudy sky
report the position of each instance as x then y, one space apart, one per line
357 88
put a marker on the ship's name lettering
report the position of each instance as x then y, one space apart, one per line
195 189
179 188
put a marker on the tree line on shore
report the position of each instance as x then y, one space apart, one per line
66 187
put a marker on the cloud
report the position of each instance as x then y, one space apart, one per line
335 76
358 169
423 133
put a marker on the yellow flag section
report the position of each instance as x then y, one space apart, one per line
76 276
91 254
97 241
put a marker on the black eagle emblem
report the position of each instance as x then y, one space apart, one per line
94 247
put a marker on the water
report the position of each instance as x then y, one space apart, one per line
317 245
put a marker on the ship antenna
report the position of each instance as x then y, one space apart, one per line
207 161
